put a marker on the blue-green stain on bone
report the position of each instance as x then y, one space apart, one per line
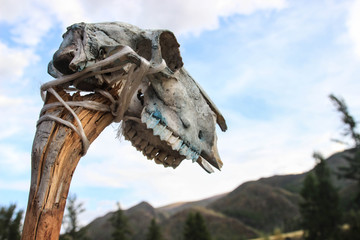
157 114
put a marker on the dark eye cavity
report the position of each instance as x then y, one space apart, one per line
201 135
140 96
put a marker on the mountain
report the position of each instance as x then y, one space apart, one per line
220 226
171 219
293 182
260 206
139 218
174 208
253 208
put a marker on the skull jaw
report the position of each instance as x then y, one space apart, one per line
197 139
169 140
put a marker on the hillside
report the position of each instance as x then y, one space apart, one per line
260 206
139 218
174 208
220 226
252 208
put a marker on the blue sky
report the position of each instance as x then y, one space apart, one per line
268 65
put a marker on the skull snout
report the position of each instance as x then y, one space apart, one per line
70 53
62 59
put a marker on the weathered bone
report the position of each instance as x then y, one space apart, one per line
134 76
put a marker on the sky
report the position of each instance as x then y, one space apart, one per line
269 65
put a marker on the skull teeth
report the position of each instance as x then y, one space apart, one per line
136 141
175 143
169 161
150 151
176 162
131 133
143 144
161 157
165 134
154 153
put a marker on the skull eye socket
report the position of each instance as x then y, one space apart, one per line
170 51
201 135
140 96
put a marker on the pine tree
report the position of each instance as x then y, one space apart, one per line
352 171
72 227
348 120
319 210
154 232
120 224
10 223
195 228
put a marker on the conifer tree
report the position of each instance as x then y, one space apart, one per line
347 119
10 223
321 216
154 232
120 224
71 220
352 171
195 228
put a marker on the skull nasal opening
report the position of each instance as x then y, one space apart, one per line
68 49
62 60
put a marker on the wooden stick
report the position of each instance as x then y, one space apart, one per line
55 154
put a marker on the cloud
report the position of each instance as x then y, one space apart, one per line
11 11
21 115
28 21
185 17
16 184
31 21
13 160
353 24
30 30
14 61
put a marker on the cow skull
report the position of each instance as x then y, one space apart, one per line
165 113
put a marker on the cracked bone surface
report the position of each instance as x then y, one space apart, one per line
133 76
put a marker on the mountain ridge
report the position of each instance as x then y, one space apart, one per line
254 207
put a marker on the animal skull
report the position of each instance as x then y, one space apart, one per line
167 115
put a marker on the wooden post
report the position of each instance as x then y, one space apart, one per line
56 152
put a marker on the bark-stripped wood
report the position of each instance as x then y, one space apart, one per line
56 152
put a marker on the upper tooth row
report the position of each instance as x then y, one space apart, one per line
166 135
150 151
